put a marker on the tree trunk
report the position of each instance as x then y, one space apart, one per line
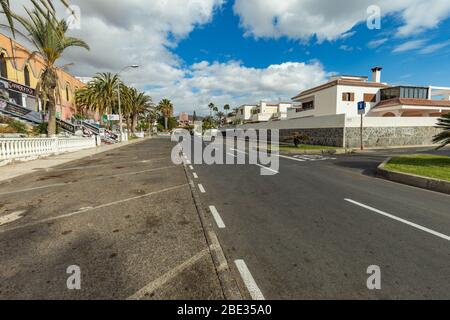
134 123
128 124
166 120
51 109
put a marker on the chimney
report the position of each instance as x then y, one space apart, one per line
376 74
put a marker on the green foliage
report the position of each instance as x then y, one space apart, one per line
13 126
444 137
43 129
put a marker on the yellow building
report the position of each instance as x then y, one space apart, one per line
20 76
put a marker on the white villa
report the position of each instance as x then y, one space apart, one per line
263 112
342 93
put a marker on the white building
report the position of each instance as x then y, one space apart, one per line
342 93
264 111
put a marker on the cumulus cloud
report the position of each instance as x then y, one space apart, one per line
233 83
331 19
410 45
122 33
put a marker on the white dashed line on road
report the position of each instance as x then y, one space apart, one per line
195 175
217 217
202 190
191 167
249 281
11 217
437 234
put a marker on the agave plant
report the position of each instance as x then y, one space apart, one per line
443 138
49 36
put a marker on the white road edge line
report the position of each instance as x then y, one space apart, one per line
202 190
195 175
217 217
437 234
249 281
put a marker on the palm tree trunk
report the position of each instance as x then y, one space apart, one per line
166 120
134 123
51 109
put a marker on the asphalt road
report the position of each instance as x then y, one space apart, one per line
126 218
312 230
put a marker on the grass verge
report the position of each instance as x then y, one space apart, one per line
436 167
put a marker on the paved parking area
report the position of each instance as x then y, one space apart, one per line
125 217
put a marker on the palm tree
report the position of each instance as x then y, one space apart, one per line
136 105
221 116
49 37
211 107
444 137
166 109
47 4
226 108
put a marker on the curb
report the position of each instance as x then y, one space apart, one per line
436 185
228 283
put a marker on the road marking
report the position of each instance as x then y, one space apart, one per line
188 162
231 154
217 217
106 205
437 234
274 171
11 217
191 167
195 175
202 190
249 281
157 283
85 181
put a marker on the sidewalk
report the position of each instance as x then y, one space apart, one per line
126 218
14 170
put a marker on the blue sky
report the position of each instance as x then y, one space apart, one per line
242 51
223 39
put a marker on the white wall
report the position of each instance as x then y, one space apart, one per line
350 108
382 122
325 103
333 121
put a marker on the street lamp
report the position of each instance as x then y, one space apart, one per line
134 66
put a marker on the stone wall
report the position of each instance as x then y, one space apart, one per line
322 136
390 136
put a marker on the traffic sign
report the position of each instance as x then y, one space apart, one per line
361 108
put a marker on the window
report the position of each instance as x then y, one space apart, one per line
348 96
368 97
3 66
26 73
308 105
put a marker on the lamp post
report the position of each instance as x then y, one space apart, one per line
118 94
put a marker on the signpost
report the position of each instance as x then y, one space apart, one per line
362 112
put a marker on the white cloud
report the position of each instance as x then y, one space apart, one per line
236 84
434 47
376 43
331 19
410 45
141 32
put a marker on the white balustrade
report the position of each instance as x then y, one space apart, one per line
28 149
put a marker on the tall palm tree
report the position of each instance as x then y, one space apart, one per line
100 94
50 40
136 105
166 109
47 4
226 108
211 107
444 137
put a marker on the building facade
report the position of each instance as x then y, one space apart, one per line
19 76
342 94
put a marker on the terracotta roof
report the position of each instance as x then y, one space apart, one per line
341 82
413 102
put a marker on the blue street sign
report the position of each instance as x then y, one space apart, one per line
361 107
